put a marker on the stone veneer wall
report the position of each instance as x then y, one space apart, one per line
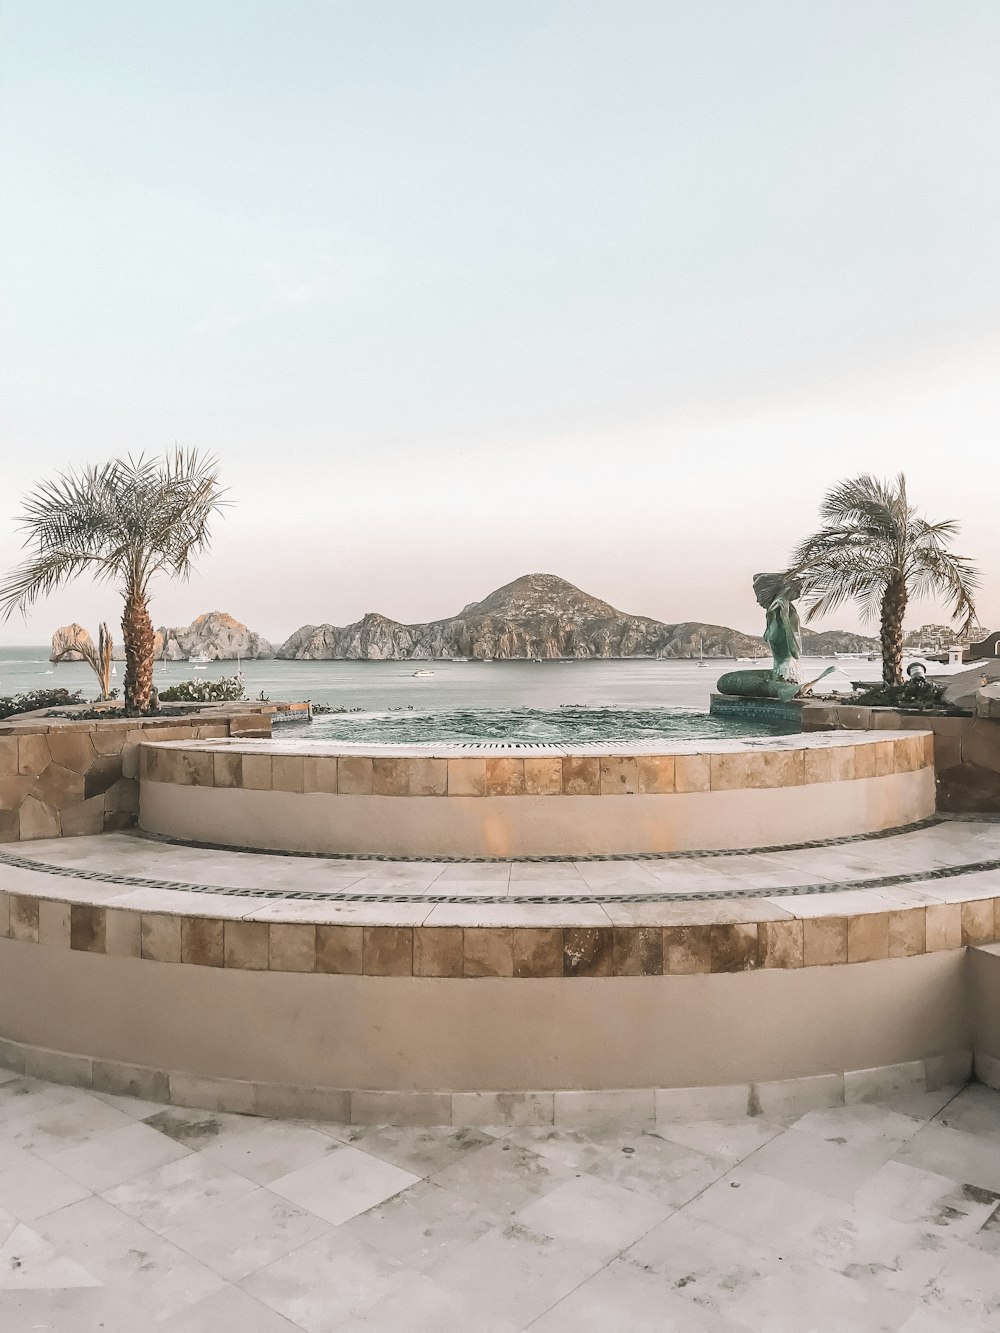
62 778
721 770
524 952
789 790
966 749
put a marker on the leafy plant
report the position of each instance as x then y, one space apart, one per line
875 549
920 693
124 522
11 705
99 659
204 691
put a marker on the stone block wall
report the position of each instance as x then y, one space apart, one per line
966 749
63 778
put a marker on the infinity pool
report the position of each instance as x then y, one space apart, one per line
567 725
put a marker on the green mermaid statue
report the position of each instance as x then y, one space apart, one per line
776 593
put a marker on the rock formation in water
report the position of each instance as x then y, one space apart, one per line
214 635
66 639
537 616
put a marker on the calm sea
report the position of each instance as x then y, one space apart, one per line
621 698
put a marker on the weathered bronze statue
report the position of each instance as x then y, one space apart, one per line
776 593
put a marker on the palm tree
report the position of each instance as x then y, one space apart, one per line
125 522
875 549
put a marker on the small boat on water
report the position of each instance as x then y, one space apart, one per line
423 673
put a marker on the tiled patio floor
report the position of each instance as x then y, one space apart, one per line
121 1216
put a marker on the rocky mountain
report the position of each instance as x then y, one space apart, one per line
214 635
824 643
537 616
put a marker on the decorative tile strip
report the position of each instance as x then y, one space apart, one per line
345 896
699 853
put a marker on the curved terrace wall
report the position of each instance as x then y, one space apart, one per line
509 801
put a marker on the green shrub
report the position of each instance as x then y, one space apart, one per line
919 693
27 703
204 691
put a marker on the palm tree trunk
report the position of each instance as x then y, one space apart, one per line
139 639
893 610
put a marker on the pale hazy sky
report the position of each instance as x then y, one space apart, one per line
458 291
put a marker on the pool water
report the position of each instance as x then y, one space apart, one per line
566 725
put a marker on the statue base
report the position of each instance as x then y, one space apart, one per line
783 714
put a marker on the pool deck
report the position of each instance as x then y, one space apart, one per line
944 860
121 1214
873 1197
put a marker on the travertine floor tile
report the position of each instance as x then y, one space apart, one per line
109 1159
970 1159
168 1196
123 1254
30 1188
663 1170
29 1262
705 1264
551 1229
238 1236
264 1150
422 1150
593 1214
229 1310
798 1295
975 1110
824 1165
762 1209
729 1140
342 1184
935 1202
421 1226
516 1273
322 1285
503 1177
422 1305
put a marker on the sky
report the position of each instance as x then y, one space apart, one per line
458 291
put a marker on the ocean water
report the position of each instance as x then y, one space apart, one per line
597 700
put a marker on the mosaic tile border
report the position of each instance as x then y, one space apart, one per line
699 853
570 1109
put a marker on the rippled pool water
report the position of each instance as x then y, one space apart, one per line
567 725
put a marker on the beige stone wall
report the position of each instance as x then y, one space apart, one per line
490 1033
62 778
761 794
984 988
966 749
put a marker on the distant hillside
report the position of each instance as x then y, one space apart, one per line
537 616
824 643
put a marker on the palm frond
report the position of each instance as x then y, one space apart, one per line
873 539
37 577
125 521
